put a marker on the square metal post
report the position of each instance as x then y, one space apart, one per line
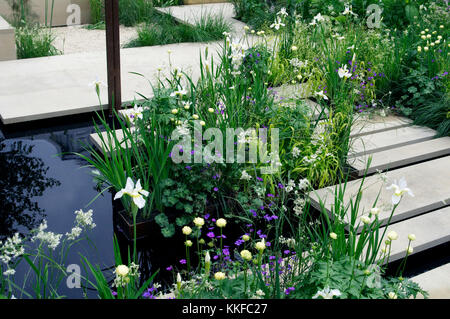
113 54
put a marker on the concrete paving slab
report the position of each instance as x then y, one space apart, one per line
34 89
102 143
429 181
377 142
431 229
370 124
436 282
401 156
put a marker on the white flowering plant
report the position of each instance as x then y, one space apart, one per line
45 252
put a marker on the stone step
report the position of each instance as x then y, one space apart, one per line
429 181
401 156
365 125
436 282
48 87
377 142
102 142
431 229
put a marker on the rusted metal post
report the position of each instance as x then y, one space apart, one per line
113 54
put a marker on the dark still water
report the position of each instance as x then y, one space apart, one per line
38 183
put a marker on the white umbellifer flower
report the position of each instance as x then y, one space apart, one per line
199 222
219 275
412 237
135 192
303 184
261 245
245 176
321 94
327 293
11 248
374 211
85 219
246 255
296 152
290 186
277 24
260 293
9 272
392 235
186 230
122 270
365 220
221 223
75 233
344 72
50 239
399 190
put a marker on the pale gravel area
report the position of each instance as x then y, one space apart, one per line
75 39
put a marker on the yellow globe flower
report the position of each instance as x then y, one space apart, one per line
245 237
211 110
333 236
411 237
375 211
187 230
392 235
174 111
202 123
365 220
195 116
221 223
219 275
188 243
246 255
392 295
199 222
261 245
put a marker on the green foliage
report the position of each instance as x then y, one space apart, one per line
34 42
164 29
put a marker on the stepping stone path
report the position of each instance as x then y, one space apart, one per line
399 149
436 282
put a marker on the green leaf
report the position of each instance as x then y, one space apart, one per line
168 231
162 220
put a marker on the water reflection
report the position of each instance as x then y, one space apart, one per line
39 180
22 179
